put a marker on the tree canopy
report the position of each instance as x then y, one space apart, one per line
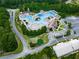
7 38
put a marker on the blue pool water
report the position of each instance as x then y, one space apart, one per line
42 16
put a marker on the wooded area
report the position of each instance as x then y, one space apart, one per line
7 38
33 33
62 8
17 3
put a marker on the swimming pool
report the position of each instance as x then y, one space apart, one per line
41 18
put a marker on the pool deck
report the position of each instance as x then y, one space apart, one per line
40 18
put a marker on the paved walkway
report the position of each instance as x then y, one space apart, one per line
26 50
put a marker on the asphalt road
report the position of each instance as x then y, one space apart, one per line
26 50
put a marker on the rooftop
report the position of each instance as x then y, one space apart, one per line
62 49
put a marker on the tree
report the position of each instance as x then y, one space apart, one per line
7 38
40 42
69 25
68 32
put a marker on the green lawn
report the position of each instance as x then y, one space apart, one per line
25 36
42 55
28 39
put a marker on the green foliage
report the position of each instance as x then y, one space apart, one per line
45 53
40 42
65 22
9 42
62 8
33 33
68 32
72 56
48 51
18 3
7 39
37 5
69 25
49 54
